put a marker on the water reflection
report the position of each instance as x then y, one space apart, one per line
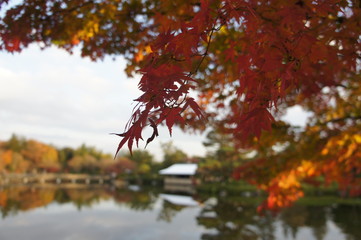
172 204
235 219
238 219
150 214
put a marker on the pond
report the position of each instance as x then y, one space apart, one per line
106 213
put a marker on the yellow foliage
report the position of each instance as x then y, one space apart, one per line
350 150
148 49
307 168
223 30
288 181
90 29
357 138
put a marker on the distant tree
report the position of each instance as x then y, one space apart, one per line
88 150
222 157
121 165
143 160
21 155
6 157
40 155
172 155
85 163
18 164
15 143
2 161
65 154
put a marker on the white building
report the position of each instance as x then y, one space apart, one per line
179 176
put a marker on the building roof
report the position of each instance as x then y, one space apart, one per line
180 169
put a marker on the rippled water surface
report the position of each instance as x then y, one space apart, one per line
107 214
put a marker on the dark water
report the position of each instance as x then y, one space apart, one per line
136 214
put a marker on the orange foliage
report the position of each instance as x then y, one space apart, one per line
41 155
7 157
3 199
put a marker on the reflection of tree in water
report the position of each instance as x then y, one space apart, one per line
169 211
232 218
86 197
141 200
235 220
22 198
348 219
18 199
317 220
297 216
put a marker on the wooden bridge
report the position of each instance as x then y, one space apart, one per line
54 178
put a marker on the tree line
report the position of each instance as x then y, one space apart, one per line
21 155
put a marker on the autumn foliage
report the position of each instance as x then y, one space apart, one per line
235 66
19 155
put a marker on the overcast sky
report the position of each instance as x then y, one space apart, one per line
66 100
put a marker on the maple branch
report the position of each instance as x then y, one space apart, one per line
204 54
341 85
174 103
183 59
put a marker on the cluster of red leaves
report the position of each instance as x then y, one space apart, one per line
280 50
167 77
277 53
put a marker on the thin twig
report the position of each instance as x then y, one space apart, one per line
204 54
